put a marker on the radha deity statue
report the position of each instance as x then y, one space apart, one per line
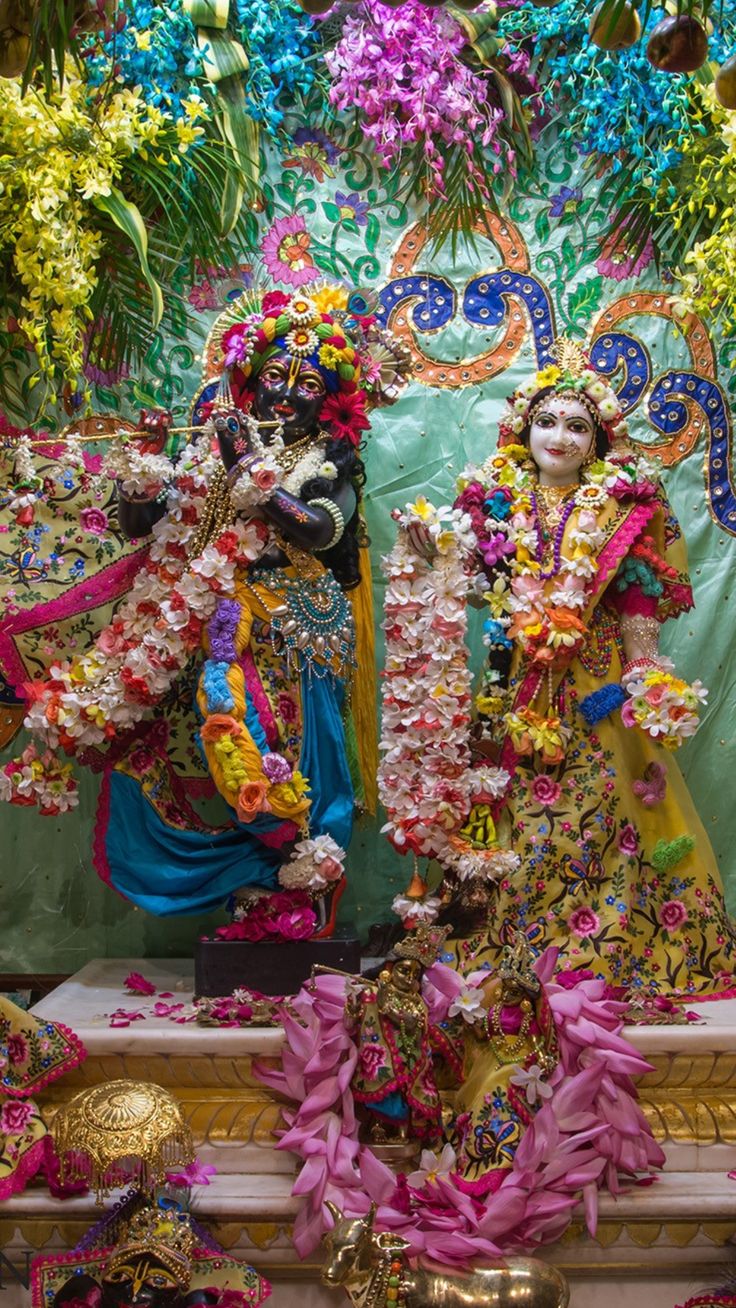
571 820
255 555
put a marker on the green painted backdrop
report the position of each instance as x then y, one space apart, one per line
348 223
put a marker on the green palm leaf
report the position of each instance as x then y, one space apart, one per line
127 216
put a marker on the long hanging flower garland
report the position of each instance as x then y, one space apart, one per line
426 779
91 699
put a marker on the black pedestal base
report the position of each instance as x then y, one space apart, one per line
221 966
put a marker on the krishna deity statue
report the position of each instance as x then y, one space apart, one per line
256 557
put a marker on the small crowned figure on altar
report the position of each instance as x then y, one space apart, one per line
156 1263
555 807
394 1079
256 558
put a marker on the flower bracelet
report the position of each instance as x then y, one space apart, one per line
252 481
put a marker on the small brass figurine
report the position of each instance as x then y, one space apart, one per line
394 1078
370 1267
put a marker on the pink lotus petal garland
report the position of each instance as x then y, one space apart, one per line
586 1134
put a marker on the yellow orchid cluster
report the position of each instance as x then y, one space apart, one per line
60 162
707 283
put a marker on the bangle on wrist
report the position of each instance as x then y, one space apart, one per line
338 520
242 466
632 664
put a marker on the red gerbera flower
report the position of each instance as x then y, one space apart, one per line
273 303
345 415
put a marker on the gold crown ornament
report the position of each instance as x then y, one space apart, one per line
424 943
111 1134
516 968
162 1234
571 357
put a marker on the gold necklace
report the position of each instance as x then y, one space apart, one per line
551 501
289 456
512 1046
217 513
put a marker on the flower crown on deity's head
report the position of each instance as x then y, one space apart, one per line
332 329
572 375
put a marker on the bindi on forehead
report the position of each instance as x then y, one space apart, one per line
565 409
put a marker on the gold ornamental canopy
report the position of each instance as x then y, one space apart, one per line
123 1131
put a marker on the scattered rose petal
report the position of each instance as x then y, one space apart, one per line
165 1010
138 985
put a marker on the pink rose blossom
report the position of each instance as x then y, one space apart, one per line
371 1059
94 521
628 841
137 984
264 478
330 869
287 709
545 791
17 1049
583 922
15 1117
672 915
298 924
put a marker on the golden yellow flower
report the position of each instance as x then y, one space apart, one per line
329 298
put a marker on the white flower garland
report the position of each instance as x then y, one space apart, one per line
426 780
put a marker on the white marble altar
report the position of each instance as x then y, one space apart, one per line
654 1246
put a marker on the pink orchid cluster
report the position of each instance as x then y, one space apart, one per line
401 70
588 1132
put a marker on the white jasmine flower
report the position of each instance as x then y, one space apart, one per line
531 1081
468 1004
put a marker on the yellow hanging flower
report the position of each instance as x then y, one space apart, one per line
57 160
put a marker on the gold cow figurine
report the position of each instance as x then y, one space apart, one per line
374 1273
